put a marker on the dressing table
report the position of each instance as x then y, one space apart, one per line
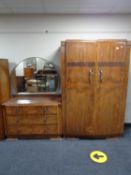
34 111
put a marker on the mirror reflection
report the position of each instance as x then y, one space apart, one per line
36 75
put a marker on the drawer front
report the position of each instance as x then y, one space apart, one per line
38 129
50 119
23 110
24 130
30 130
12 110
50 109
28 120
15 130
12 130
51 130
24 120
32 110
11 120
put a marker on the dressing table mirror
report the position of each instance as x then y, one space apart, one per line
35 75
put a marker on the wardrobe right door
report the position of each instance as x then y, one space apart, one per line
111 87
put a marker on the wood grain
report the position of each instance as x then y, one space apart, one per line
79 88
4 90
41 117
94 102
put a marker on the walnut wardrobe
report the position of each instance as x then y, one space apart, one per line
94 76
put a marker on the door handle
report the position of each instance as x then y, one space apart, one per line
100 75
90 75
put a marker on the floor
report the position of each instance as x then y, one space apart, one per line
65 156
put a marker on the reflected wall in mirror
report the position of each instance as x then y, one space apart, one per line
34 75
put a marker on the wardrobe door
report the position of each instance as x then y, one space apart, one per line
4 90
112 75
79 89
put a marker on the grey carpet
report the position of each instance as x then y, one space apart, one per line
65 157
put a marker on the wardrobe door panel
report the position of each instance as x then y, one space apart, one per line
111 88
109 109
80 51
112 50
79 108
80 88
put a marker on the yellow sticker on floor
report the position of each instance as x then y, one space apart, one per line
98 156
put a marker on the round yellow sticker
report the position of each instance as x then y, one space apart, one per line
98 156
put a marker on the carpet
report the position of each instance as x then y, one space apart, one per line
65 157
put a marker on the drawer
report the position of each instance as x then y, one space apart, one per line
24 129
51 130
30 130
27 120
12 130
23 110
50 119
11 120
50 109
34 119
38 129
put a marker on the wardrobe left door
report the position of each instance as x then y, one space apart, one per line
4 90
78 90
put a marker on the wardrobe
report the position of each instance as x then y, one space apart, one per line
4 90
94 76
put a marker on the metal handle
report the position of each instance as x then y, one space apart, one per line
101 75
90 75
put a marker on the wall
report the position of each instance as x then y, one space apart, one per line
23 36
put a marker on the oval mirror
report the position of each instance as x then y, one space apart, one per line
35 75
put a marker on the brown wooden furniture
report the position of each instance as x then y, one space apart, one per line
32 116
4 90
94 81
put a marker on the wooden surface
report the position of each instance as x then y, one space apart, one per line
1 124
33 117
79 86
4 81
94 84
4 90
113 60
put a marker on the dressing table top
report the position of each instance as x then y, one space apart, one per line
33 101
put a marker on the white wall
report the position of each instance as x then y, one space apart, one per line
23 36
